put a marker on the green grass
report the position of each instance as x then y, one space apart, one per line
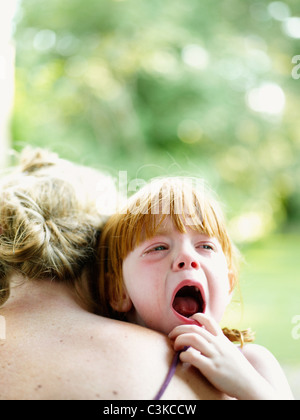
270 289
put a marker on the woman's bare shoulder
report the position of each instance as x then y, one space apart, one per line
124 335
84 356
147 356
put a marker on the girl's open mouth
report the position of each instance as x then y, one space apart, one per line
188 301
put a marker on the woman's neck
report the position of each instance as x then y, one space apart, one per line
28 296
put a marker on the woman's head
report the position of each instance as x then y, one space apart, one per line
49 221
185 202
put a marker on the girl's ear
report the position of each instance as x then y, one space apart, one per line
122 303
119 302
232 281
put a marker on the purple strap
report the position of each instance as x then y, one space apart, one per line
170 375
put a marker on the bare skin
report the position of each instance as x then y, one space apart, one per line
56 350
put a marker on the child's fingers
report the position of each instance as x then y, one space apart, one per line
194 341
196 359
209 323
188 328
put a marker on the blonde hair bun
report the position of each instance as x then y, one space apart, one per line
49 222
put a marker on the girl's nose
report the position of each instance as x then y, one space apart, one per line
185 261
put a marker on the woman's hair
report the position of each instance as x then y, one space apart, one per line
49 221
188 202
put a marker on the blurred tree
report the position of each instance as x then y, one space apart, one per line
157 87
6 77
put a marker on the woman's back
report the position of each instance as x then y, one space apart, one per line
54 349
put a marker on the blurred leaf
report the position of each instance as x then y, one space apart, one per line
138 84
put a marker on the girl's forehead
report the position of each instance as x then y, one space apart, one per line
165 226
168 226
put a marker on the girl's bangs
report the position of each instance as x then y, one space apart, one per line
187 208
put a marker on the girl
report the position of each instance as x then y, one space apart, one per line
167 263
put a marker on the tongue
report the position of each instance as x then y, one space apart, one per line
185 306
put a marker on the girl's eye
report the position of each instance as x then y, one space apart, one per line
157 248
207 247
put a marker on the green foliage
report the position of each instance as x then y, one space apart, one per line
268 300
155 87
269 295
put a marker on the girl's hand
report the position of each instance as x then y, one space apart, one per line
219 360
